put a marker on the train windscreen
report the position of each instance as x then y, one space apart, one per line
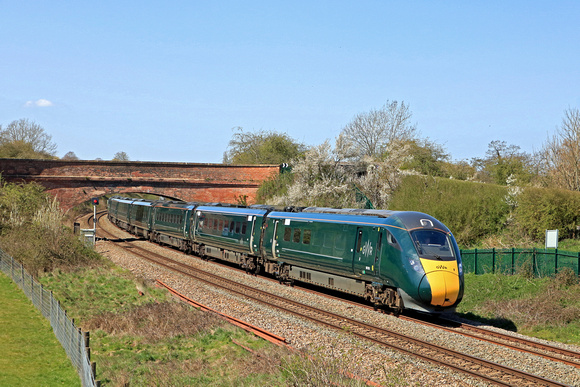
433 244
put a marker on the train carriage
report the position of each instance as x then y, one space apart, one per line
119 212
393 258
171 223
229 233
141 216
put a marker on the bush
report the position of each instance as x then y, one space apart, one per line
541 209
32 231
470 210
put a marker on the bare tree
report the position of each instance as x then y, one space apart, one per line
24 134
561 153
70 156
371 132
121 156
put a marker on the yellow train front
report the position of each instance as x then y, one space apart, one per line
425 264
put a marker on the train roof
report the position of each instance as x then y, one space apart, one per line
232 210
409 220
350 211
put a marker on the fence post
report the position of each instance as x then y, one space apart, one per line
513 260
87 345
493 260
475 261
555 261
534 266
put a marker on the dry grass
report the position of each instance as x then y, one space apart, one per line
156 321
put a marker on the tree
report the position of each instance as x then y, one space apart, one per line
262 147
26 139
561 153
121 156
369 133
70 156
502 161
425 157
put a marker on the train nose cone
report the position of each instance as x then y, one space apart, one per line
442 281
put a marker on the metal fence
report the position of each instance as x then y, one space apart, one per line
539 262
74 341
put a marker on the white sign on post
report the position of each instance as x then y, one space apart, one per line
551 239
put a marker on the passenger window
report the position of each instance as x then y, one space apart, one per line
287 234
237 227
306 237
359 241
244 228
221 225
232 225
296 238
392 241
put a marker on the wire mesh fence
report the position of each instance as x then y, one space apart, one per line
536 262
74 341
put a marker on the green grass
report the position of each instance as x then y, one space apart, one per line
153 340
547 308
30 354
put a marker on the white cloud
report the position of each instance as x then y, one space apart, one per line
39 103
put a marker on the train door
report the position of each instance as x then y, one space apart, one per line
366 251
274 240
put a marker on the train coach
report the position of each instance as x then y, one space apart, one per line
394 259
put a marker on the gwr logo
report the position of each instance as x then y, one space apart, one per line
367 249
441 267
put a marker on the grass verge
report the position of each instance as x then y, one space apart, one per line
547 308
30 354
140 336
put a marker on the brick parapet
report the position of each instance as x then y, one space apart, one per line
74 181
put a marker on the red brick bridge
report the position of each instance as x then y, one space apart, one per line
76 181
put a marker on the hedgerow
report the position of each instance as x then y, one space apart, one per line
32 231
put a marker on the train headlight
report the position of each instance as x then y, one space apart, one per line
460 267
416 264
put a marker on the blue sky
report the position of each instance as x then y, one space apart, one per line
167 81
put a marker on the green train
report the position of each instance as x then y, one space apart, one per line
394 259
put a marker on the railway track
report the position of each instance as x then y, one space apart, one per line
489 371
550 352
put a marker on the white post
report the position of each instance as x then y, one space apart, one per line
94 224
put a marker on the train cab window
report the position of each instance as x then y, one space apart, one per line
306 237
432 244
296 238
287 234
